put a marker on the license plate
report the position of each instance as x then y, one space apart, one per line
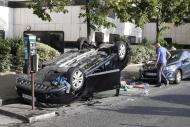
27 97
151 74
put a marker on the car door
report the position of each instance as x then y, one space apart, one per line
101 81
185 61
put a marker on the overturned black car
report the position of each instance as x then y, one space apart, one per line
77 73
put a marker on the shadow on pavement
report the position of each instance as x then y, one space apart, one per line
187 79
145 110
176 99
135 125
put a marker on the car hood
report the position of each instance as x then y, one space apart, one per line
172 63
151 64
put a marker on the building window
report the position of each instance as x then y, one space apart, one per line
54 39
2 34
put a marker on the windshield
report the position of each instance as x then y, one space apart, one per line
175 55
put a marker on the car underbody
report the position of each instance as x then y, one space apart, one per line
85 71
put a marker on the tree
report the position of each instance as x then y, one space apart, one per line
135 11
170 11
97 11
42 8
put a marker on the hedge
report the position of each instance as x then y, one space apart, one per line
46 52
12 54
141 53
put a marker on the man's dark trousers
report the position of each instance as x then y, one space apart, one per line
160 73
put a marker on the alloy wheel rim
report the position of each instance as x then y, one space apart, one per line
122 51
178 76
77 79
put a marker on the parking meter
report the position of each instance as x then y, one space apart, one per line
31 60
30 54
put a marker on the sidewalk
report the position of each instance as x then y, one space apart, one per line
7 87
131 71
9 105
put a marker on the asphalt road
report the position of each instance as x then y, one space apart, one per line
164 107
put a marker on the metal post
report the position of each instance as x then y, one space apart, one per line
32 85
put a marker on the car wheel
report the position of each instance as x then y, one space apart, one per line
76 79
122 51
80 42
178 77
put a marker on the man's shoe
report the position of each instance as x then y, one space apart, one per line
167 83
161 86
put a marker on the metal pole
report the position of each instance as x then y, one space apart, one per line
32 85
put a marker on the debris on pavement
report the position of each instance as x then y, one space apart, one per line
133 85
91 103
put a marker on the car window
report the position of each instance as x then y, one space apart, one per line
185 55
189 55
175 55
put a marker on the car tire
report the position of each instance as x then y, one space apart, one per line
80 42
76 79
122 51
178 77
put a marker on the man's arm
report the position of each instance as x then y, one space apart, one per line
157 58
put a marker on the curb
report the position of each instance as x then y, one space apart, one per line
13 115
29 117
9 101
133 65
41 117
36 115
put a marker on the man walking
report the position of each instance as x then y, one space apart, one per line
161 61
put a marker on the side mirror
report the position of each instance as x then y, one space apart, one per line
185 60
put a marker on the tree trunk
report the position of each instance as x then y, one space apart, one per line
88 20
157 29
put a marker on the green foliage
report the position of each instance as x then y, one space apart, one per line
12 54
46 52
163 29
163 42
17 45
5 62
5 47
124 39
149 45
141 53
42 8
135 11
5 55
170 11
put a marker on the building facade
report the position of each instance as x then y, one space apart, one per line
178 35
17 18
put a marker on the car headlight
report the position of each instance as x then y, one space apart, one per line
170 68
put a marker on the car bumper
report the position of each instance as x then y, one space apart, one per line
44 94
59 97
152 76
170 75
